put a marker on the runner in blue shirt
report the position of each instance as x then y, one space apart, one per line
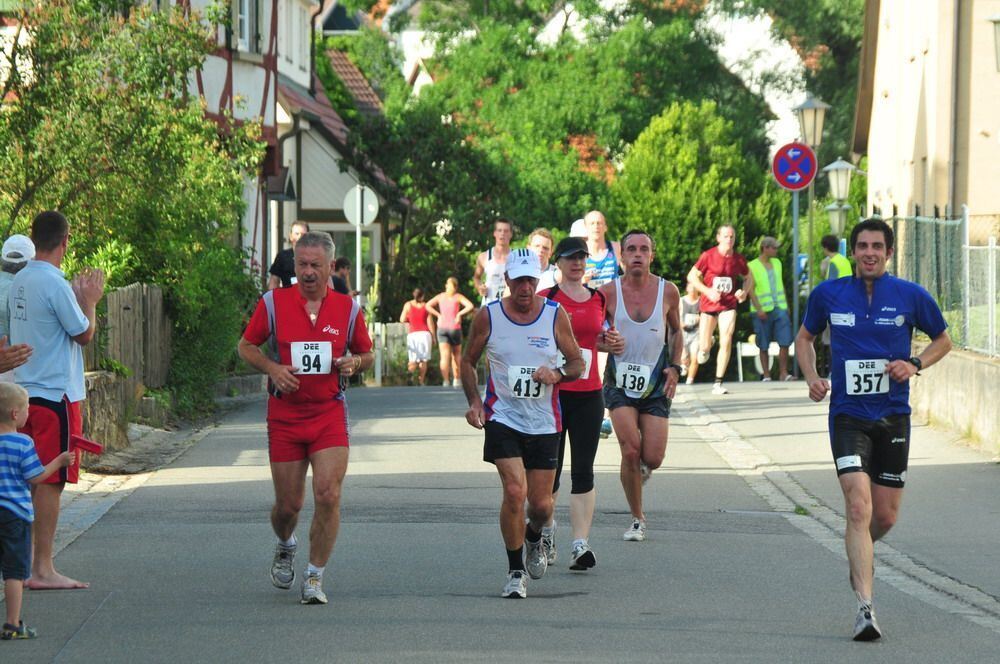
871 318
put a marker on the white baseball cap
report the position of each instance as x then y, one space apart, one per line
578 229
18 249
523 263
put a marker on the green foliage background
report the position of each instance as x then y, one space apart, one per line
97 122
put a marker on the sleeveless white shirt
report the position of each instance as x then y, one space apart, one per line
639 369
514 351
493 278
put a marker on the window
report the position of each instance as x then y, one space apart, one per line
245 25
304 42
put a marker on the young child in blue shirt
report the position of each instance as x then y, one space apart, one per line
19 467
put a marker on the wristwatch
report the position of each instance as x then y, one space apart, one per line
915 361
675 367
562 370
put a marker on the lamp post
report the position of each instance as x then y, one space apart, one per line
811 114
839 173
996 37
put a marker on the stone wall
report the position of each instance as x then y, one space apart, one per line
959 392
106 411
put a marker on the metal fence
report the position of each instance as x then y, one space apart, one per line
956 261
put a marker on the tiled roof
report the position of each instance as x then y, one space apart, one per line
365 98
296 99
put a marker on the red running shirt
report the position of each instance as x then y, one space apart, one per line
417 318
587 320
301 342
721 273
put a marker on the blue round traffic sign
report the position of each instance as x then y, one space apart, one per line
794 166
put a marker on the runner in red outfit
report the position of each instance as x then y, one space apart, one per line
308 330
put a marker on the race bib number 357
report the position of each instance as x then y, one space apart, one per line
312 357
866 377
521 384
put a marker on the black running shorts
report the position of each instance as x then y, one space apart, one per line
538 451
880 448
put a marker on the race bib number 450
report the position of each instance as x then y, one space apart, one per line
312 357
522 386
723 284
633 377
866 377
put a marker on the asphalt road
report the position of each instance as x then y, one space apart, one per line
178 559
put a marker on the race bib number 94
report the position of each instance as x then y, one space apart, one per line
866 377
521 384
312 357
633 377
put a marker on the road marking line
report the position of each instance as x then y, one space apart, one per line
825 526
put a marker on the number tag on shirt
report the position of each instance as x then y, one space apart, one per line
521 384
312 357
691 320
866 377
587 355
723 284
633 377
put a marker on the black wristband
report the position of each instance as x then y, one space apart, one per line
675 367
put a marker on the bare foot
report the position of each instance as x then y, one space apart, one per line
55 581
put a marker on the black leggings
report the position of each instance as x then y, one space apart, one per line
582 413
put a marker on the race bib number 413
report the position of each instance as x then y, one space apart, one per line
866 377
522 386
312 357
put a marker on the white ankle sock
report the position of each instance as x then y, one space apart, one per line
291 541
579 542
312 570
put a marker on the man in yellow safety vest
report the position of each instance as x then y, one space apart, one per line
770 308
838 266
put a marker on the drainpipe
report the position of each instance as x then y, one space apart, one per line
953 157
312 49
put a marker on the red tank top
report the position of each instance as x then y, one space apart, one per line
417 318
587 321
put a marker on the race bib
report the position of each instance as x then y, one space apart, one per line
312 357
866 377
633 377
587 355
521 384
723 284
691 320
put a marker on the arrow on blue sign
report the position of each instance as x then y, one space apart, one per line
794 177
794 154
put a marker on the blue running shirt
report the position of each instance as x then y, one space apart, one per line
864 337
18 464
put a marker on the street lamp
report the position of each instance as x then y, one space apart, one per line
811 114
996 37
838 217
839 173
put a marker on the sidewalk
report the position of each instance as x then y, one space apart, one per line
949 523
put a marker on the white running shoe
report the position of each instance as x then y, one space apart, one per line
312 590
718 389
536 559
702 357
445 383
637 532
644 471
583 558
282 570
516 586
865 627
549 538
457 382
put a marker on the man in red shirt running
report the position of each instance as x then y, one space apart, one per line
308 329
713 276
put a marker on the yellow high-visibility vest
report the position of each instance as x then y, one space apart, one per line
843 266
762 286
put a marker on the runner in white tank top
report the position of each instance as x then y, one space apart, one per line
522 335
489 273
640 382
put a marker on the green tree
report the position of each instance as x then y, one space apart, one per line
97 122
686 175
